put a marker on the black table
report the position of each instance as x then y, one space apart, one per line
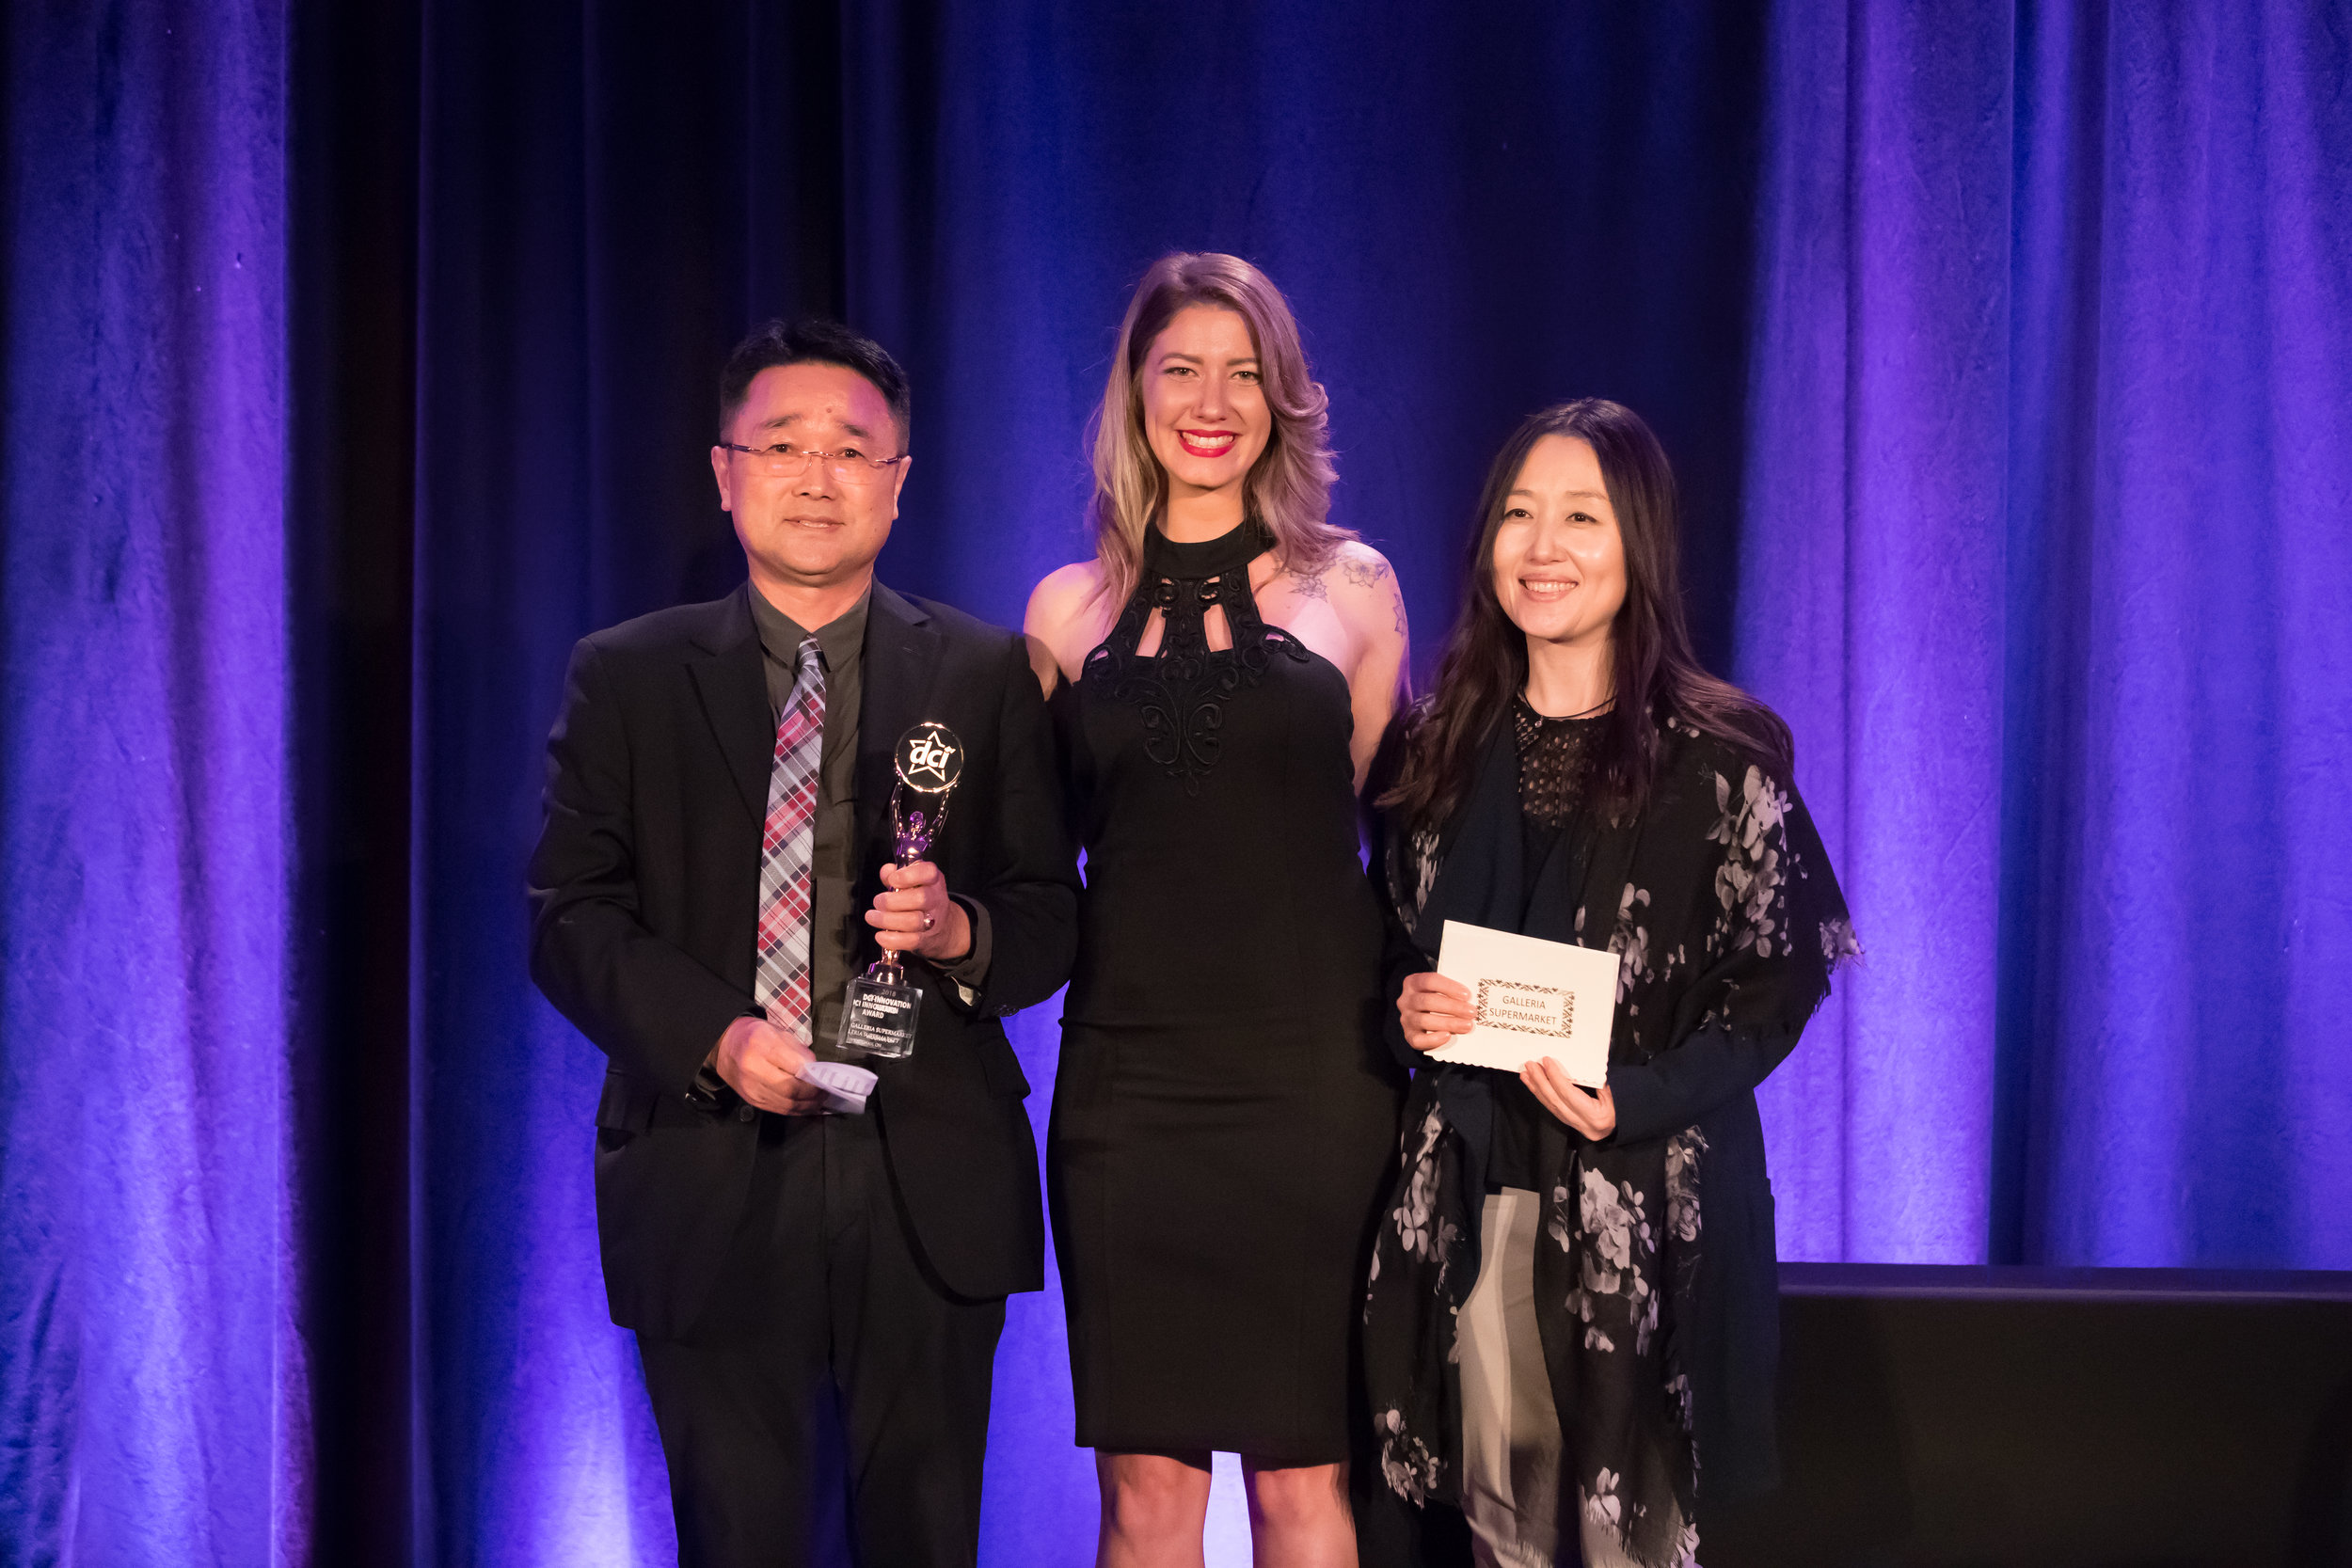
1935 1417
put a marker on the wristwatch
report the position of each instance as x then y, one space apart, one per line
709 1091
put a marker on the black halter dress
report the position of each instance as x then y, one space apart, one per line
1225 1113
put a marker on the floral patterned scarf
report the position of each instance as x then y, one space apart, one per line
1727 920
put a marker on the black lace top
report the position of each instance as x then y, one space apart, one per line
1555 777
1555 784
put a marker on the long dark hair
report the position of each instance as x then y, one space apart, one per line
1656 675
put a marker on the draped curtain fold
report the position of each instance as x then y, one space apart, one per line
2049 511
358 359
609 195
153 1376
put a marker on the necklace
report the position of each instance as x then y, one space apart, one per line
1601 706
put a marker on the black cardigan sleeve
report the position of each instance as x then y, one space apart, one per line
1677 1088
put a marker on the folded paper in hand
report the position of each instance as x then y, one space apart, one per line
846 1087
1532 998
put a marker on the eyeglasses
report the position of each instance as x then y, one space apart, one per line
786 461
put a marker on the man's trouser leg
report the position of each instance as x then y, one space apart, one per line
830 1369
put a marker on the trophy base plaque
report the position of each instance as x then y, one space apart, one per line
878 1015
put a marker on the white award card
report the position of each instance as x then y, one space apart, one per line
1534 998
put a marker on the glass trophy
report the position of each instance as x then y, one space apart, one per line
878 1016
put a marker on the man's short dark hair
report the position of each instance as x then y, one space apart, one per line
811 340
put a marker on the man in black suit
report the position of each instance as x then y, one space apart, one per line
813 1290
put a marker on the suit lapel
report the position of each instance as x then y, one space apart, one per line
901 663
731 679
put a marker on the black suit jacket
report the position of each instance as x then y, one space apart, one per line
644 891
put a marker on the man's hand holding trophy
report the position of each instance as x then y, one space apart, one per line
916 915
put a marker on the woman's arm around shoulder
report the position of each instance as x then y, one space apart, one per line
1370 603
1061 622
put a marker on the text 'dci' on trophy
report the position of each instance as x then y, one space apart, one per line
878 1016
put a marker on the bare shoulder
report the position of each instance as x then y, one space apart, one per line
1063 620
1061 597
1364 590
1357 566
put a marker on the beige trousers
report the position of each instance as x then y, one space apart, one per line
1511 1481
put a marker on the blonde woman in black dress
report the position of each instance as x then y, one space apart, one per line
1225 1114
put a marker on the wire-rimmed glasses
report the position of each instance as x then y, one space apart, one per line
786 461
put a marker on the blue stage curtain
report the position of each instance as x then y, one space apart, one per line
2048 538
2003 357
152 1379
610 195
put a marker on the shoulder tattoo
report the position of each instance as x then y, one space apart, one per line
1307 585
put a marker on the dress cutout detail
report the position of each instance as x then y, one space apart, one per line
1183 689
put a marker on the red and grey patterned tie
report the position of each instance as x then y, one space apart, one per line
787 898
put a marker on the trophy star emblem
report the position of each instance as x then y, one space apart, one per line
927 755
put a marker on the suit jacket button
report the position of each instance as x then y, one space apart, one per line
745 1113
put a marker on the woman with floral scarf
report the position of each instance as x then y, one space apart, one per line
1572 1320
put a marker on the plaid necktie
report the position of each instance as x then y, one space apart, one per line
787 898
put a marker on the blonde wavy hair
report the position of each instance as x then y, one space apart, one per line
1289 489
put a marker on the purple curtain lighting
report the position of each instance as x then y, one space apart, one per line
1870 599
152 1382
2049 530
2006 356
